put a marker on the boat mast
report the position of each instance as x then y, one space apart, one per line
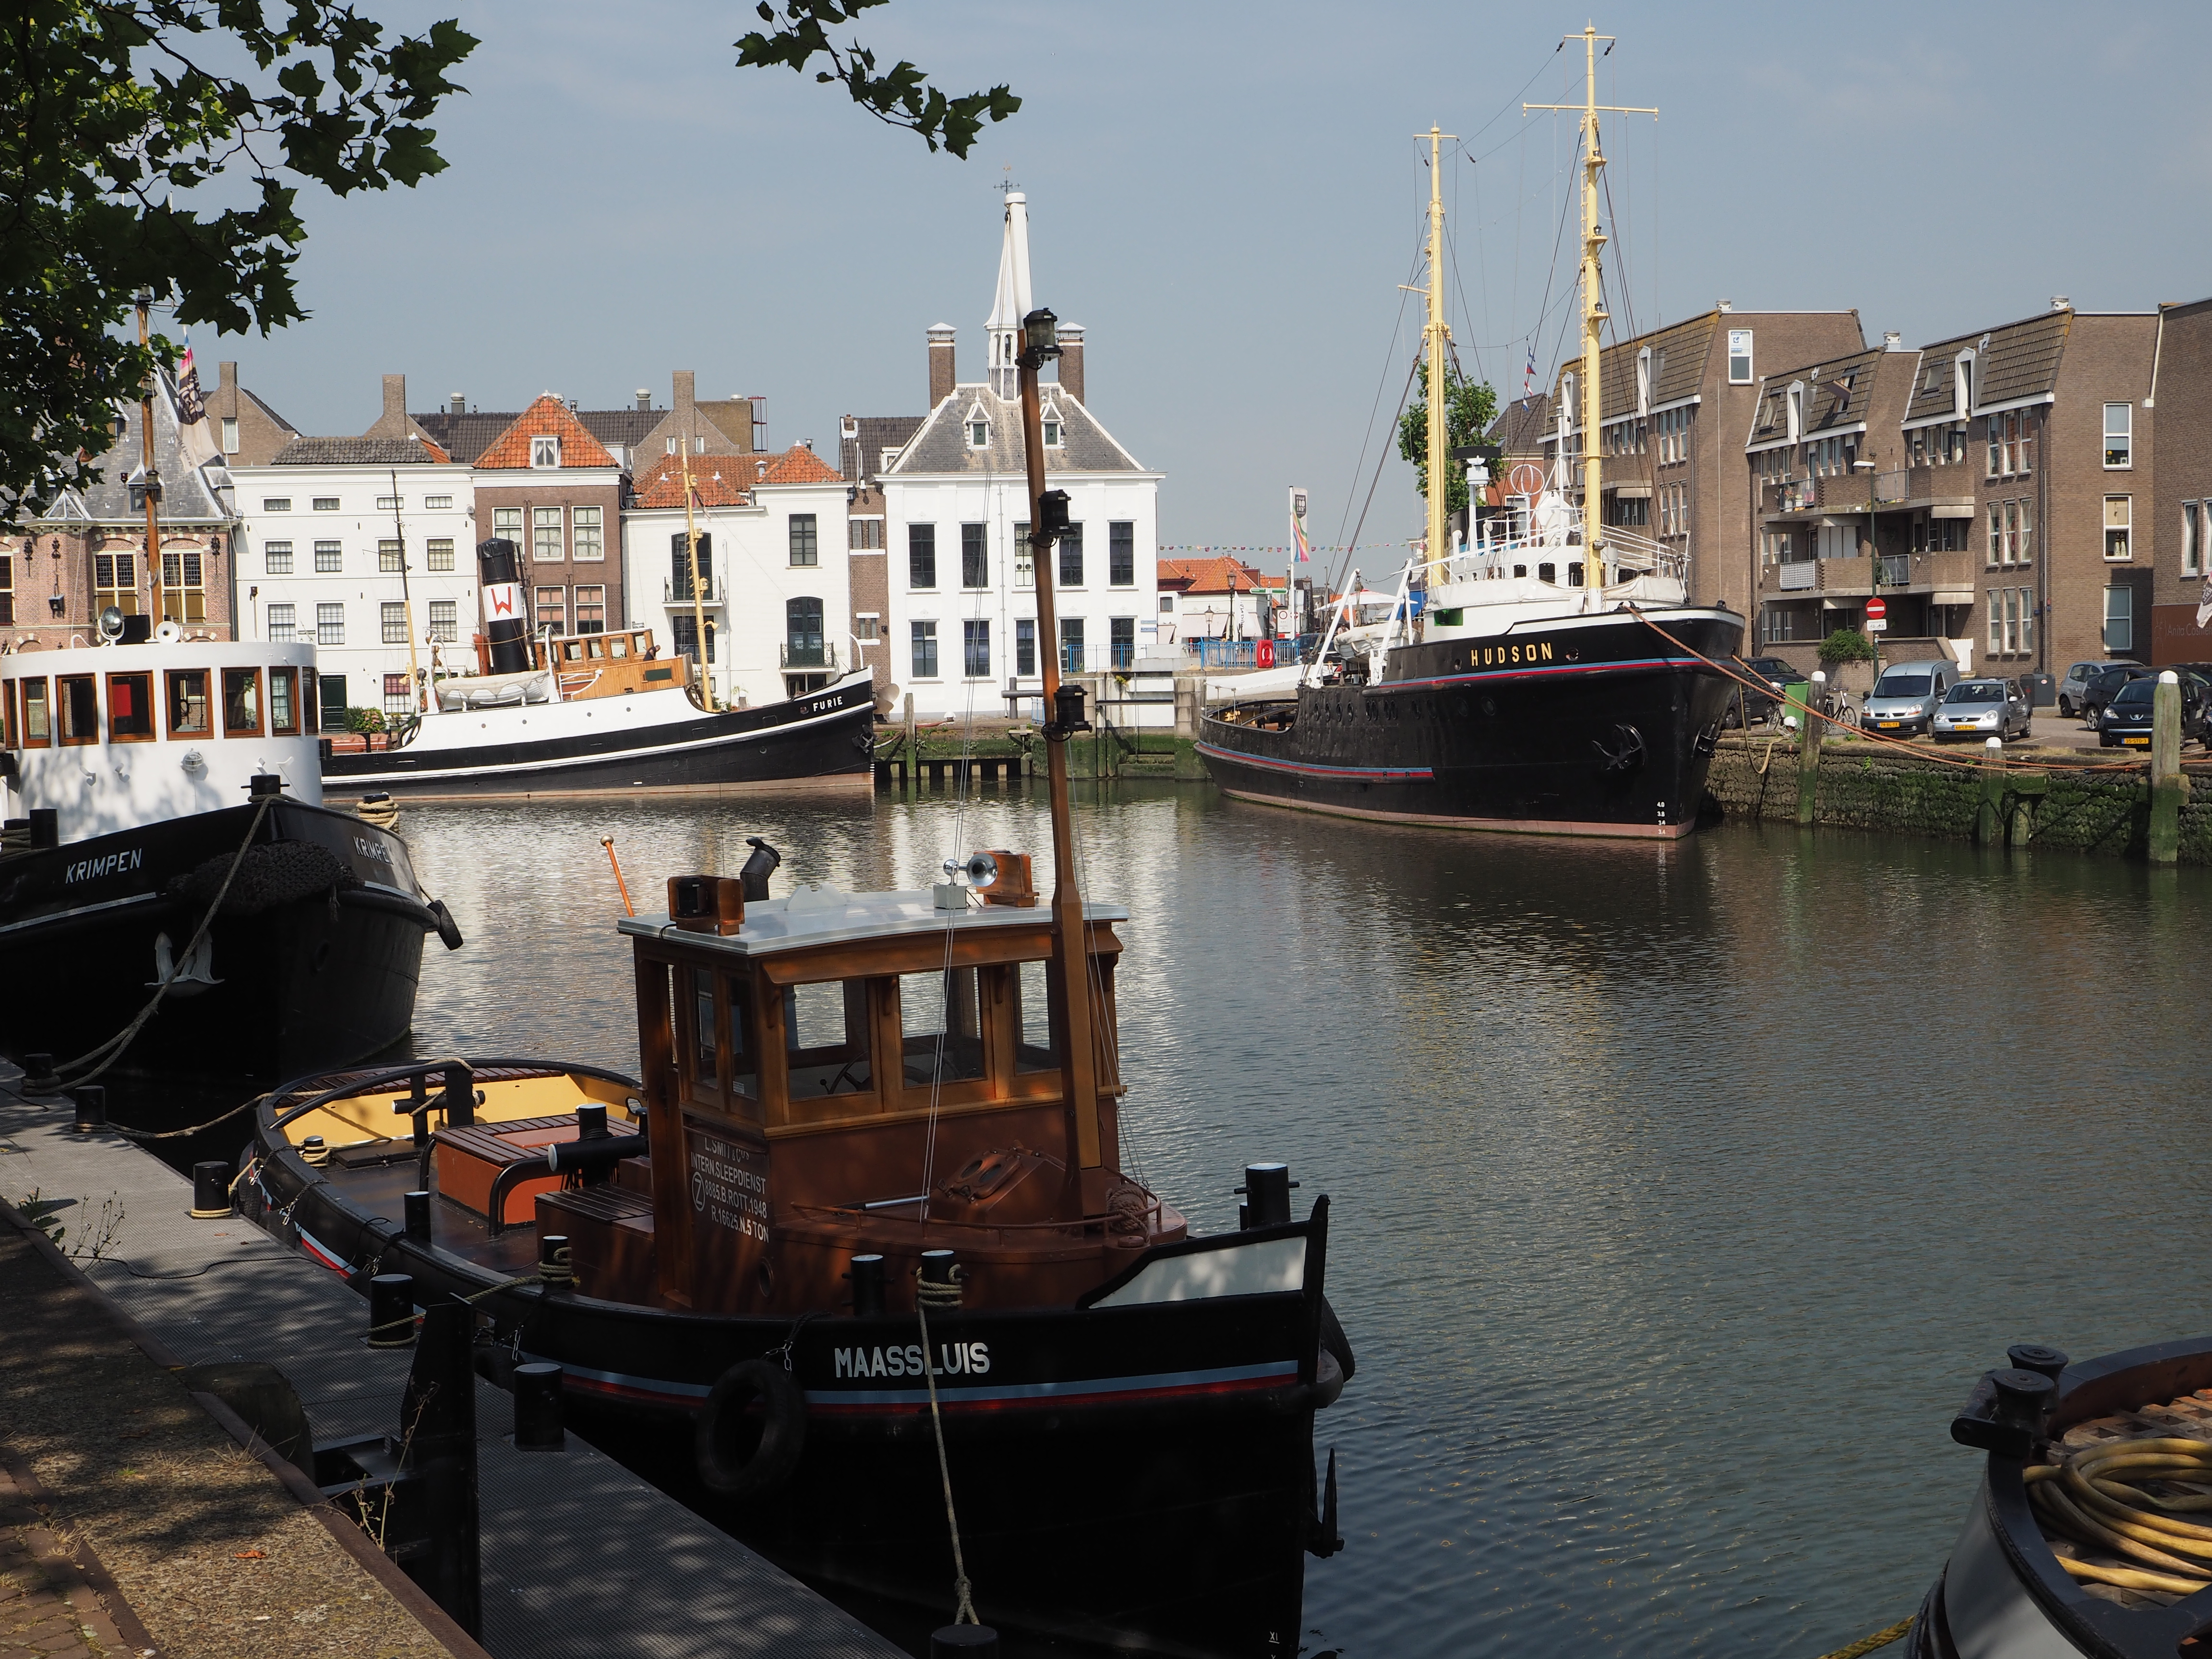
691 554
153 477
1594 311
1435 337
406 602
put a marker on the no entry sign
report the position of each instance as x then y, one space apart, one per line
1877 615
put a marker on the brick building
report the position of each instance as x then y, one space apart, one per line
547 485
866 447
2181 394
247 431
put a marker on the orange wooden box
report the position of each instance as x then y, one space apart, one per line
469 1158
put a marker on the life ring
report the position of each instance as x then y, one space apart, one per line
1265 654
751 1431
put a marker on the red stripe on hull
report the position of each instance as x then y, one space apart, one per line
1490 826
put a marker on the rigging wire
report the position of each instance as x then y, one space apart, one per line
1397 326
1352 547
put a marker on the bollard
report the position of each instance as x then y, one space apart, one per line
553 1262
418 1217
1808 749
537 1407
210 1190
2037 1357
938 1285
963 1642
867 1277
591 1121
461 1097
391 1310
91 1100
1267 1192
1988 821
2169 789
38 1074
438 1416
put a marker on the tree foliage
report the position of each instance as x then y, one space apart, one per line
1846 645
900 95
1469 407
110 109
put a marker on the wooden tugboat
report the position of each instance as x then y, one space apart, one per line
864 1231
2088 1533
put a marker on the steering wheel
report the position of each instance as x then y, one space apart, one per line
843 1072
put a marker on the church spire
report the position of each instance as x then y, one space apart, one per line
1013 302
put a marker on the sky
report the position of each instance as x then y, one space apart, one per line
1228 196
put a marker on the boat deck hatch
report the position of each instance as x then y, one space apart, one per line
470 1157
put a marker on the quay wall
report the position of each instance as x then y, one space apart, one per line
2103 810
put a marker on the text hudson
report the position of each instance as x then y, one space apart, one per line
112 864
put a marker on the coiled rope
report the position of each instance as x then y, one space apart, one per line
2080 1499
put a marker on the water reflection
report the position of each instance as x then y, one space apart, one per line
1679 1192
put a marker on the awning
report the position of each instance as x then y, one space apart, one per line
1952 596
1630 492
1951 510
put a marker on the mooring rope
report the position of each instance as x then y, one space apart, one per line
2081 1499
964 1609
1866 1645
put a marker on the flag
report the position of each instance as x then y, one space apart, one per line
1298 525
194 437
2204 604
1529 376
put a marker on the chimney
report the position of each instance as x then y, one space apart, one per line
644 398
1724 305
1892 340
226 375
458 404
395 403
1071 360
2060 302
684 382
941 377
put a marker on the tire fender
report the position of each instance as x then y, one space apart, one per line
730 1460
1335 1343
449 931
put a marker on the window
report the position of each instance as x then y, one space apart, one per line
396 698
2011 596
1071 645
2192 545
1071 557
328 559
1996 622
2027 621
2011 532
327 503
2119 427
1121 553
922 556
130 707
545 534
1997 534
868 626
804 548
686 627
1051 434
2117 512
544 452
282 623
1024 555
506 525
592 608
1996 445
802 633
1167 604
284 702
924 650
276 558
2026 460
975 556
979 435
79 701
1122 647
241 702
6 590
1739 357
38 730
1674 428
437 504
391 557
445 621
552 609
587 527
1025 646
276 503
115 581
864 535
392 614
2120 620
2027 530
679 567
387 503
975 649
330 624
438 553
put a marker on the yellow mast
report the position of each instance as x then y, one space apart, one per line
1594 311
691 557
1435 337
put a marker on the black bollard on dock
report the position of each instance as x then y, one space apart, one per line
38 1074
537 1426
438 1424
210 1190
91 1100
1267 1192
391 1310
963 1642
867 1277
418 1216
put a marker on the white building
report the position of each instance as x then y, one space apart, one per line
961 604
774 582
359 546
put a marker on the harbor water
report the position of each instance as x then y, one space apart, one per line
1679 1193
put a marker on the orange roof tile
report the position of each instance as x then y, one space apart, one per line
548 417
1221 574
799 465
718 480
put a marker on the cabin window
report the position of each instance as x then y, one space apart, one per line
7 736
1032 1018
618 645
130 707
713 1041
310 711
940 1027
241 702
825 1033
37 730
284 702
80 701
191 714
705 1046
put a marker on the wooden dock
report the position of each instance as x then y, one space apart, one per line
579 1557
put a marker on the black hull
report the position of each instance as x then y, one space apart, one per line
310 982
1584 726
1141 1477
825 735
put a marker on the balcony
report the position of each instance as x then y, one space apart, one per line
809 654
1801 576
676 591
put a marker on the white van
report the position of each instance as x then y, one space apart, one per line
1906 697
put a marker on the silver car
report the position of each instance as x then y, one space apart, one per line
2078 675
1906 698
1982 709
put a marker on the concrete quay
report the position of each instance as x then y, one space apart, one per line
191 1543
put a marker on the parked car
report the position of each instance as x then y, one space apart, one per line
1906 698
1979 709
2105 685
1759 706
2125 722
2076 681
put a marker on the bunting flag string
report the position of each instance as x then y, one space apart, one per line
1222 548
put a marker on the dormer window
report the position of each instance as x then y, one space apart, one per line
1643 381
978 434
544 452
1051 432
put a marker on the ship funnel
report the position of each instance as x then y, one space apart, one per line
506 624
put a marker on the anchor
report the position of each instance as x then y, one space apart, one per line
194 975
1627 753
